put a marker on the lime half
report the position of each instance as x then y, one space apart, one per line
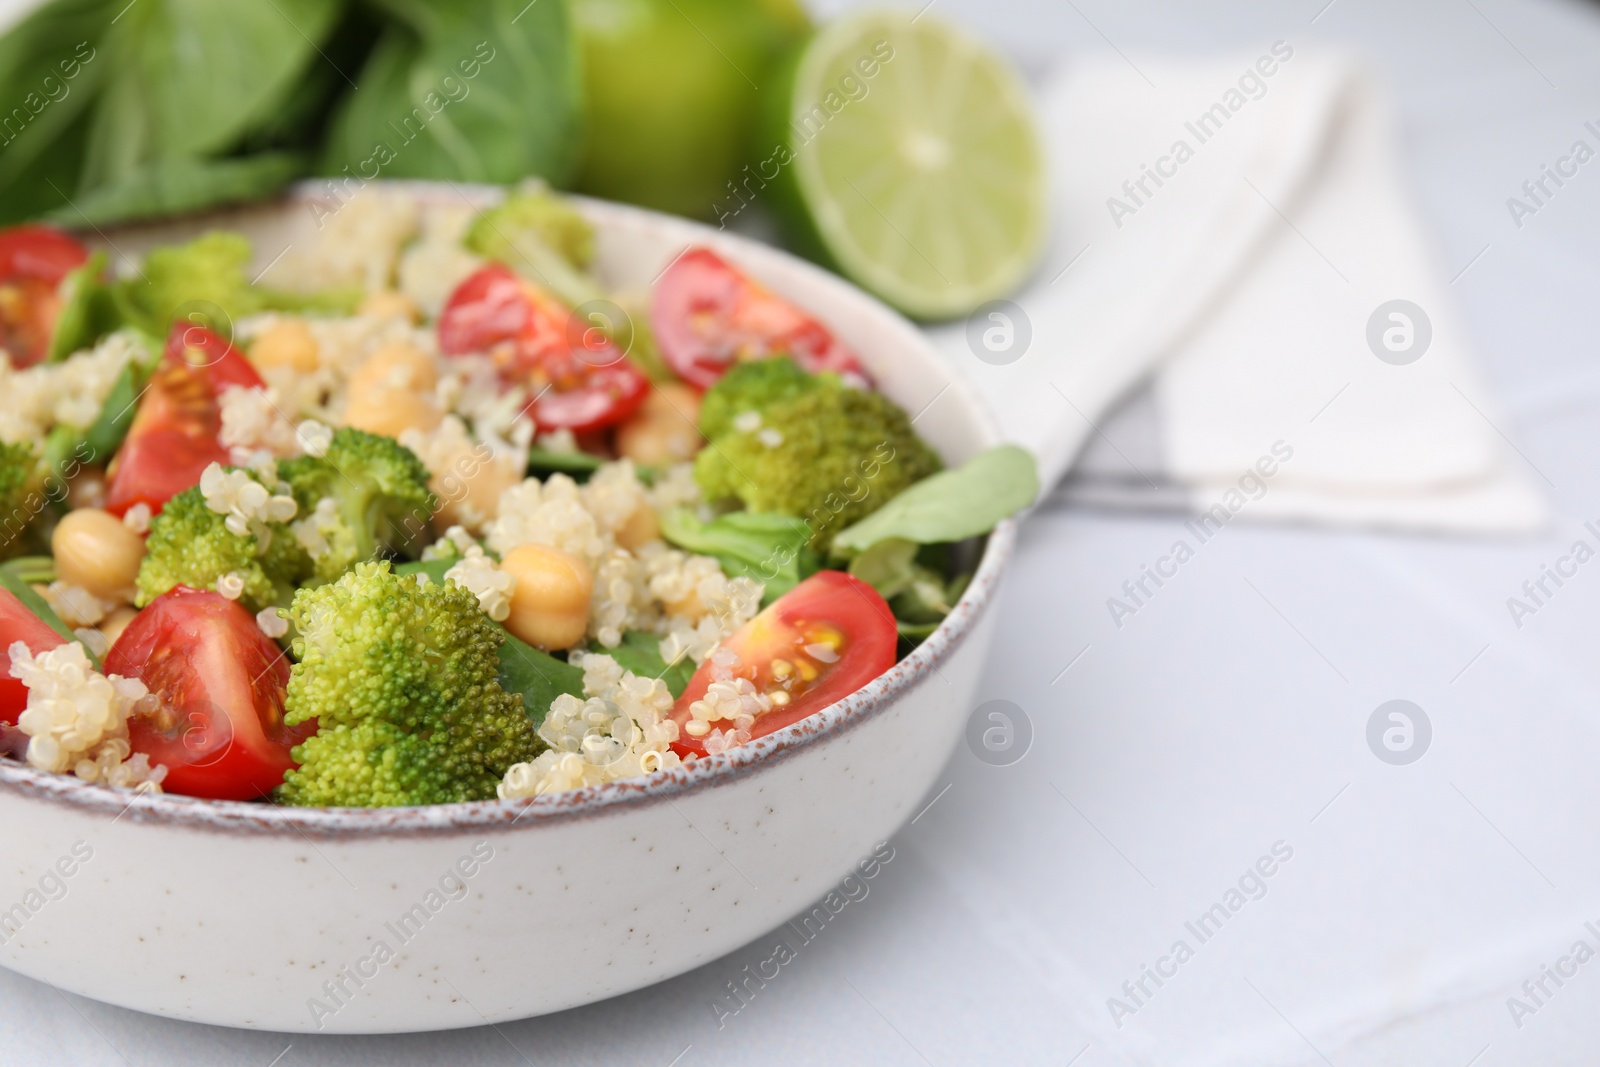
915 166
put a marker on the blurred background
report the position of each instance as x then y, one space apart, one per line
1179 736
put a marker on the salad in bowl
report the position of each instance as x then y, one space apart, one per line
428 513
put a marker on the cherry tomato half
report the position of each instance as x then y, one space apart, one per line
580 379
706 315
221 681
17 623
33 260
174 435
821 641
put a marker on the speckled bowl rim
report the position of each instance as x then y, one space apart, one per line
254 817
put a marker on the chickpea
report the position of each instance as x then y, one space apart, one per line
665 430
287 343
112 625
96 551
391 412
469 489
395 366
390 304
550 605
641 527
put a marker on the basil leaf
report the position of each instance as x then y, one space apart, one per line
769 547
13 583
538 676
951 505
484 92
640 653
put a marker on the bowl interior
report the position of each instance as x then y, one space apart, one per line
633 247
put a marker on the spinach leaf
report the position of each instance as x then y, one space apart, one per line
484 92
640 653
951 505
888 566
187 78
50 67
769 547
174 186
433 568
543 462
538 676
87 310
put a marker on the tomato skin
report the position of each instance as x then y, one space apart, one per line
221 682
174 435
826 601
707 315
33 261
580 379
17 623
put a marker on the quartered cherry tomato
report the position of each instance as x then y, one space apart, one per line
174 435
821 641
580 379
707 315
221 683
17 623
33 260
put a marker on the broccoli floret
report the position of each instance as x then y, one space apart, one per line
401 675
755 385
540 235
830 456
19 471
207 280
381 499
189 544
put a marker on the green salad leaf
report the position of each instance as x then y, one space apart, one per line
537 676
484 92
173 186
50 67
640 653
951 505
199 74
769 547
87 310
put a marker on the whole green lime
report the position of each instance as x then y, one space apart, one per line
674 87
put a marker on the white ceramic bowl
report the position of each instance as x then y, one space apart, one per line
287 919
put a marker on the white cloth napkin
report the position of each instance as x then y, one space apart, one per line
1224 232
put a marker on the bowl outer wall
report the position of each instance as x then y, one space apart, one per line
237 914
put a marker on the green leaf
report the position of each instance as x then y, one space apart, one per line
433 568
538 676
542 461
484 92
87 310
174 186
51 63
888 566
952 505
98 441
640 653
771 548
191 77
12 581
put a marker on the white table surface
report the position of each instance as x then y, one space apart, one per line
1225 717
